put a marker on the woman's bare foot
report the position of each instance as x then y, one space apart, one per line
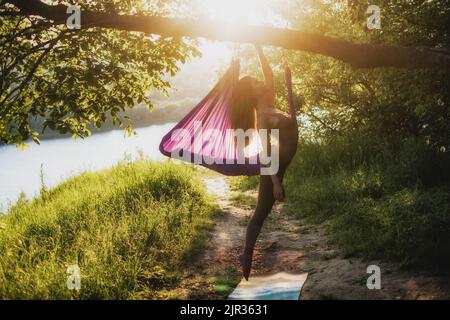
246 264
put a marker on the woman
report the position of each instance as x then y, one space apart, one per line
253 107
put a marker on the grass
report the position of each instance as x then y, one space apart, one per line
130 229
225 281
244 200
243 183
383 200
378 202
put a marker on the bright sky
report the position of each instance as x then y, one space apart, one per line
252 12
256 12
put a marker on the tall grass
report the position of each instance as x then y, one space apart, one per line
388 200
243 183
130 229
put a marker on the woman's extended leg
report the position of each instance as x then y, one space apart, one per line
263 208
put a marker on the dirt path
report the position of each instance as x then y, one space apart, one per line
291 245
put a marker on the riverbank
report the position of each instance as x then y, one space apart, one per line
147 230
167 111
130 230
53 161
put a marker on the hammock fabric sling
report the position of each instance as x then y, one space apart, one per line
204 136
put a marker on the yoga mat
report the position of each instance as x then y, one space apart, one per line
280 286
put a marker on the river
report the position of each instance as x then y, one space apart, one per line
59 159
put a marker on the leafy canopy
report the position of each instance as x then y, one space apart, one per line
375 104
76 78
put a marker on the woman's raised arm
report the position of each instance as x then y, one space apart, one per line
267 70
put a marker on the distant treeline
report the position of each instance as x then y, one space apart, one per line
139 116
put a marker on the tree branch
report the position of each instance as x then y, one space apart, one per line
18 90
323 123
357 55
25 31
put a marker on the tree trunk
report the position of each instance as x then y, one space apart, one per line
357 55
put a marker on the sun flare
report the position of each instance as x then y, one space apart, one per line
246 12
256 12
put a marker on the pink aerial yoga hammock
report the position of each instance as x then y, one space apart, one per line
205 136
